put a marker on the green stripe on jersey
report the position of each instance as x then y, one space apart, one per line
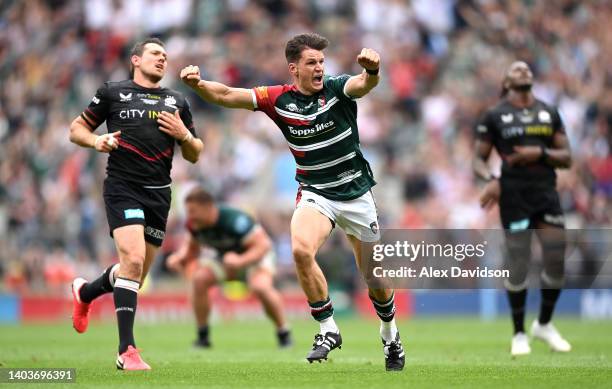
323 137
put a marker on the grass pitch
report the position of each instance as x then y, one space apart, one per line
441 352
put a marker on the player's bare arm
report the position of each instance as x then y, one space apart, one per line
171 124
490 193
558 156
82 134
360 85
256 245
479 163
216 92
189 251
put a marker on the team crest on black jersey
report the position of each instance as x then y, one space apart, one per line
544 117
170 101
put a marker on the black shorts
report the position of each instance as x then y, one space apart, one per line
523 203
129 203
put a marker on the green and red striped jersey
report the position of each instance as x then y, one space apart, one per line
322 134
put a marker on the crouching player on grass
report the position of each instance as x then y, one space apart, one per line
244 249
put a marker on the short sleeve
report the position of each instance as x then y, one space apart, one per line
187 118
338 85
97 110
557 122
485 129
264 98
241 225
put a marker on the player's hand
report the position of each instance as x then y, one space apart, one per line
232 262
176 262
490 194
368 59
524 155
191 75
106 143
173 125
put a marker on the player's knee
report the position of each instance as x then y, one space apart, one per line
203 279
260 286
303 252
132 265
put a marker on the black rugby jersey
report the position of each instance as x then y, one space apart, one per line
144 155
506 126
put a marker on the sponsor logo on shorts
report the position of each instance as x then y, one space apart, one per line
155 233
374 227
554 219
133 213
519 225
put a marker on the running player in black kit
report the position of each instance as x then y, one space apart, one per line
529 136
144 122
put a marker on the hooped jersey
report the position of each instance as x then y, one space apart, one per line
229 232
322 134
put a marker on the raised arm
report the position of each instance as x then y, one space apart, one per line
216 92
360 85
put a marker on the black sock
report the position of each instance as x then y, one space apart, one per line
549 299
517 307
203 333
101 285
126 296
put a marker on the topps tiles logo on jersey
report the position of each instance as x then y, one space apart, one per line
312 131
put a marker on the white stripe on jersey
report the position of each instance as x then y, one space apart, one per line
322 144
328 164
336 183
293 115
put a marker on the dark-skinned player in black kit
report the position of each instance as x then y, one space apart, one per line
529 136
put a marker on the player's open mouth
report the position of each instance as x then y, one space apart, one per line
317 79
160 66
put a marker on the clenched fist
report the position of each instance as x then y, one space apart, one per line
107 142
368 59
191 75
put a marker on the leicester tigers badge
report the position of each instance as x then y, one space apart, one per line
374 227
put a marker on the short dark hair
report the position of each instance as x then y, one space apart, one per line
138 49
199 195
299 43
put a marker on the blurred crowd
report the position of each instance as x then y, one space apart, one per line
442 65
